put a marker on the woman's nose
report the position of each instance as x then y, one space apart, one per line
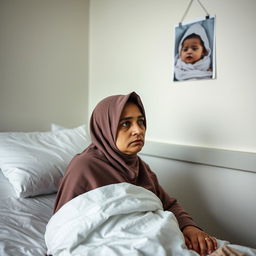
136 129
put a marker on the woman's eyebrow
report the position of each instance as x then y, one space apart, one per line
130 117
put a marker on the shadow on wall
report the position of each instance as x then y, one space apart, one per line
202 191
196 202
186 188
215 203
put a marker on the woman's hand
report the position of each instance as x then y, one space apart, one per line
199 241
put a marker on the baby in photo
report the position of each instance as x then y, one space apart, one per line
193 59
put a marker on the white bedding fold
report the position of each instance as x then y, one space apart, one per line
120 219
22 225
117 220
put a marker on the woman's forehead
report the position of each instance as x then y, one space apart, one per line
131 109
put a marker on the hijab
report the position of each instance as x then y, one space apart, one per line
103 130
102 163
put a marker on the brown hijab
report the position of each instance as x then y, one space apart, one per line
103 128
102 163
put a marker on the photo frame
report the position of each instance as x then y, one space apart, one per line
194 50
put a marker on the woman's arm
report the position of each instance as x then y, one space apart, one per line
195 238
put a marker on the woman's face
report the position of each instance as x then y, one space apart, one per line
131 130
192 50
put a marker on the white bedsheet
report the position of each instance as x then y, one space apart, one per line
114 220
22 225
6 190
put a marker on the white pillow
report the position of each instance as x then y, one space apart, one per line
56 127
35 162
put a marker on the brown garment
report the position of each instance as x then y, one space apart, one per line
102 163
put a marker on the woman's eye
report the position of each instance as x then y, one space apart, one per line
125 124
141 122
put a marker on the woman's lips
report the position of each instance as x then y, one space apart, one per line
137 142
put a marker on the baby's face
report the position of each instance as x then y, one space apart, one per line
191 50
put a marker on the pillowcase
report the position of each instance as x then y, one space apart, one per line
56 127
35 162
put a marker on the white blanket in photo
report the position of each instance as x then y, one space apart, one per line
114 220
188 71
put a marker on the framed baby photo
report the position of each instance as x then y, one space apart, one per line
194 50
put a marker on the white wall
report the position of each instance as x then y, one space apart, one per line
131 49
43 63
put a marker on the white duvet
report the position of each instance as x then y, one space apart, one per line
120 219
115 220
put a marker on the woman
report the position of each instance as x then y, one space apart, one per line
118 125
